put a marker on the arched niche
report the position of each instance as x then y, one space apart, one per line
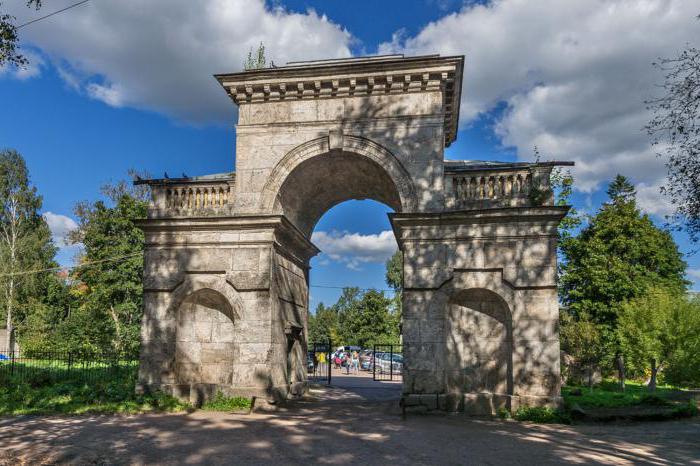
313 178
479 339
204 342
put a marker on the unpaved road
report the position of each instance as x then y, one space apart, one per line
333 433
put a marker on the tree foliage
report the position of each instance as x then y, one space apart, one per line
616 257
9 38
394 271
582 339
660 330
323 324
112 268
257 60
357 318
675 130
25 245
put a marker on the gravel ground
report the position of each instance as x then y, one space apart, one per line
338 433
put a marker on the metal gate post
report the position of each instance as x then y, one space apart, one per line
328 359
374 362
391 362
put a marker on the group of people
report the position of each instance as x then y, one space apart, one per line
350 361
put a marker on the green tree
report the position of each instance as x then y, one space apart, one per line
394 271
9 53
582 339
26 248
368 321
256 61
656 328
394 278
112 268
323 324
683 368
675 129
616 257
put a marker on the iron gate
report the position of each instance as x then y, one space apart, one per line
318 362
387 362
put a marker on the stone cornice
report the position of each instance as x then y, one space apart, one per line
497 215
547 216
285 233
354 78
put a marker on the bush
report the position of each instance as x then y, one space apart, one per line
652 400
503 413
542 415
223 403
689 409
39 394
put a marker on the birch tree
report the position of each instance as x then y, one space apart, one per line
25 242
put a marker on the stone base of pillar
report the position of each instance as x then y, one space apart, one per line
197 394
475 404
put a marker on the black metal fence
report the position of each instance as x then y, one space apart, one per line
387 362
41 368
319 362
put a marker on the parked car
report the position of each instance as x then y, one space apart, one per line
387 362
372 358
365 359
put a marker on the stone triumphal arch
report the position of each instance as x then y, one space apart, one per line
227 256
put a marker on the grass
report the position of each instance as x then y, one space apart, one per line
542 415
220 402
606 402
607 395
39 392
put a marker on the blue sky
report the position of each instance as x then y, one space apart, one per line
119 85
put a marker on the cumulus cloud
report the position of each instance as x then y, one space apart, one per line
160 55
693 274
32 68
573 74
650 200
60 226
355 249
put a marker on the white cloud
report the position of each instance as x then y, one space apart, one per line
31 69
355 249
693 274
650 200
60 226
160 55
110 94
574 75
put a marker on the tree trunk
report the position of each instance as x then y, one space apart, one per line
621 371
8 320
11 237
117 328
652 380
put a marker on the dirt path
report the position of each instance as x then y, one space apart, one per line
328 433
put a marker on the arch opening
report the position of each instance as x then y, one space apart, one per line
204 344
479 337
321 182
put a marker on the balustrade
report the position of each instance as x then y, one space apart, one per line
191 197
481 188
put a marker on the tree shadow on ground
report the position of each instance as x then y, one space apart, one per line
369 433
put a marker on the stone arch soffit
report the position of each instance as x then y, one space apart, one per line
491 282
350 144
459 296
194 284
